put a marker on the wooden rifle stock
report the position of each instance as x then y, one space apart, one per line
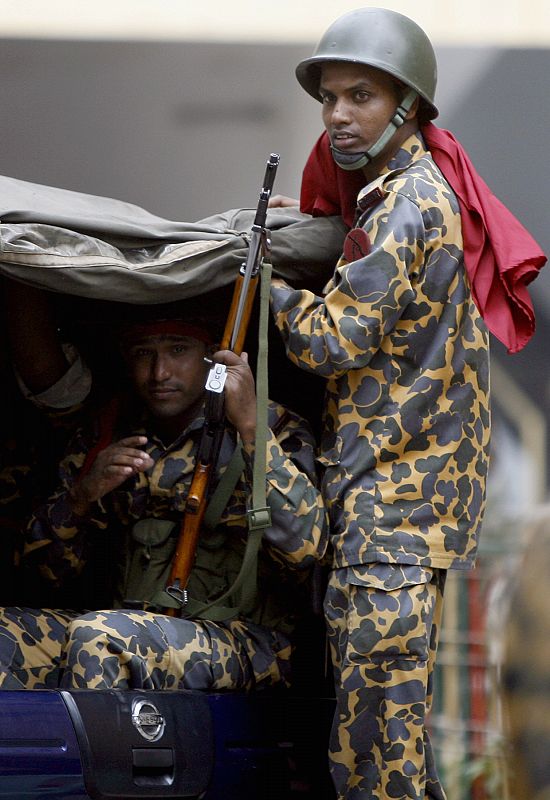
233 339
182 563
229 342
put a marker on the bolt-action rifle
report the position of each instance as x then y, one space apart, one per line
233 339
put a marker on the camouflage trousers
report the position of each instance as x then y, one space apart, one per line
136 650
383 622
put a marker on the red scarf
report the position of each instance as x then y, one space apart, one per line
500 255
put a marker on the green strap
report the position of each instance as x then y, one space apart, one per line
216 505
246 580
224 489
259 516
397 120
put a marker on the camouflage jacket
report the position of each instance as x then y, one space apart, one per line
405 355
61 542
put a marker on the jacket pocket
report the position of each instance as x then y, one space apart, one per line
152 544
390 615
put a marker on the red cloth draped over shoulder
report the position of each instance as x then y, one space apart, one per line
500 255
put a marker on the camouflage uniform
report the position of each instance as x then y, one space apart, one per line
145 649
36 428
405 452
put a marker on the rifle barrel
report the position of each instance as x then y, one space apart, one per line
259 245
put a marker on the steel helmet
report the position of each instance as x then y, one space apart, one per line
377 37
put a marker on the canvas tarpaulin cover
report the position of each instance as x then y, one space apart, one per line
106 249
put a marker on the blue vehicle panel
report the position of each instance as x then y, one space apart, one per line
88 745
39 752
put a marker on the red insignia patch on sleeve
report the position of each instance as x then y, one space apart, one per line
357 245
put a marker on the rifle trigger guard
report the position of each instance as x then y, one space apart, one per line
179 595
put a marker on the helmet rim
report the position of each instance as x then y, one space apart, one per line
368 36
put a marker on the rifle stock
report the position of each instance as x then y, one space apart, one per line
233 339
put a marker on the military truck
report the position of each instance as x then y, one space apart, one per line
93 257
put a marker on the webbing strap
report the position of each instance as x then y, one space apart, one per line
397 120
224 489
246 580
353 161
259 516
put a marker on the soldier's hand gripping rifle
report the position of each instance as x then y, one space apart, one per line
214 425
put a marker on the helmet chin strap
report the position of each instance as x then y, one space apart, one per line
351 161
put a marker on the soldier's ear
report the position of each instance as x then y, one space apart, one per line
413 111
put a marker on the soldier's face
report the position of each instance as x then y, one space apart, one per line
358 103
168 374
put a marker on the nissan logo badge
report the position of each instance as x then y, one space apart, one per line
148 720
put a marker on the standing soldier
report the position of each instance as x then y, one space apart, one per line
404 351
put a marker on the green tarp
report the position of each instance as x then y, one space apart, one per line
101 248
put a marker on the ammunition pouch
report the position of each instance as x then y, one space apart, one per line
151 546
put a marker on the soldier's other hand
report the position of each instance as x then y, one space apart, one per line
111 467
281 201
239 393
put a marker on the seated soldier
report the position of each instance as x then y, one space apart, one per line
130 495
36 366
50 373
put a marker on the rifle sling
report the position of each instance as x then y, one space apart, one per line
224 489
259 516
246 580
